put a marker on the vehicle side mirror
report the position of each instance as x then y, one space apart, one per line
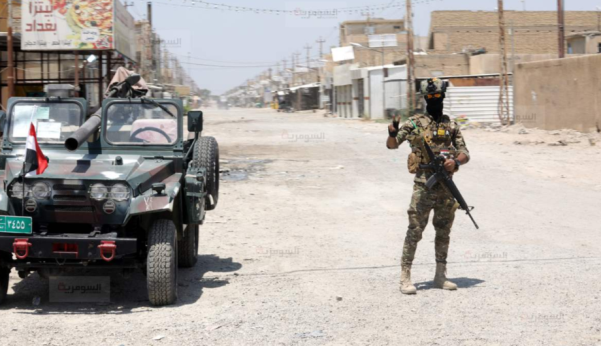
2 121
195 120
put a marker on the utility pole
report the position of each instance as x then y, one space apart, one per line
149 13
298 54
292 66
10 77
321 41
410 60
504 116
284 71
308 48
561 27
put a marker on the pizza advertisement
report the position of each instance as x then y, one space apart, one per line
71 24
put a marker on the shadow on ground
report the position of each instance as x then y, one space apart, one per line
461 283
128 293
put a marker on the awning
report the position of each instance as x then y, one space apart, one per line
312 85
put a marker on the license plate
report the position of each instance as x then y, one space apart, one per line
15 224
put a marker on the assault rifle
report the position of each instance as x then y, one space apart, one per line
436 165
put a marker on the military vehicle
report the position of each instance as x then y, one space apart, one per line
124 189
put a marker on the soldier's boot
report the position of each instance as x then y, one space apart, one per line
440 279
406 285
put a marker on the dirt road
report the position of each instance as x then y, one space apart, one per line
304 248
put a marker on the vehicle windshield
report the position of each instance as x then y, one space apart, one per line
54 122
141 123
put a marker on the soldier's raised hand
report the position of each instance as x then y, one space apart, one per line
393 129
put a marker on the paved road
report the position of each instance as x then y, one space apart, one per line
304 248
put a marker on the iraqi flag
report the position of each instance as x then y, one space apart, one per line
35 161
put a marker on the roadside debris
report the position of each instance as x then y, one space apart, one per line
560 143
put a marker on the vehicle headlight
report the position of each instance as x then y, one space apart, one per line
17 190
98 192
41 190
119 192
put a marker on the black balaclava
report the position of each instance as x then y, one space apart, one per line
434 108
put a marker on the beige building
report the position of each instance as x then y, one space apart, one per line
584 43
548 94
358 31
534 32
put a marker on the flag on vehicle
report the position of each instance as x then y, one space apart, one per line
35 161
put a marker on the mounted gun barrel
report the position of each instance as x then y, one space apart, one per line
120 90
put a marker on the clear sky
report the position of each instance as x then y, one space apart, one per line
226 37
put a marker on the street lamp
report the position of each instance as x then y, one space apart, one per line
358 45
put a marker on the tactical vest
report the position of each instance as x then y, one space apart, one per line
439 137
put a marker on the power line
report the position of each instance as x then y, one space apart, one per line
230 66
297 12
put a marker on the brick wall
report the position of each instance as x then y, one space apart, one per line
446 65
535 32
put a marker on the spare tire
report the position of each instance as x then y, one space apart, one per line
206 155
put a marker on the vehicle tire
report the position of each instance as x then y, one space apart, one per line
187 247
4 274
206 155
161 264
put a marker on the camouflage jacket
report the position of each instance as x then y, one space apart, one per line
444 137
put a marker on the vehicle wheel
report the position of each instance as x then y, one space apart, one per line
187 247
206 154
4 273
161 271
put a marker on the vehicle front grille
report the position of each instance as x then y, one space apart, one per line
68 208
69 198
69 193
61 187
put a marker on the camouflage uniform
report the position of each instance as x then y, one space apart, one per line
444 137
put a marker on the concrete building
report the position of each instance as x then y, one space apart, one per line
359 31
584 43
549 94
534 32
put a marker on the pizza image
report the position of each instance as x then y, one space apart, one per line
90 14
86 16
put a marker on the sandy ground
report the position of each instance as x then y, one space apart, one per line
304 248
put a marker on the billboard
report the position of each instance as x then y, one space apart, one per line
380 41
343 53
76 25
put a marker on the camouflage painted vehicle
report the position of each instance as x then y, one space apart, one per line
129 192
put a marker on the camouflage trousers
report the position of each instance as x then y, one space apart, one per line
422 202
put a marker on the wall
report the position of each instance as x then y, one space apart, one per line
490 64
592 46
549 94
441 65
535 31
375 94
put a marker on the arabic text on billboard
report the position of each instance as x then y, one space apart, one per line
67 24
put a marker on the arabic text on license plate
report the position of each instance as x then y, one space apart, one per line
15 224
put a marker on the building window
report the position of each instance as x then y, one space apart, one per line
599 48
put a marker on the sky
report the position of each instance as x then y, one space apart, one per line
205 38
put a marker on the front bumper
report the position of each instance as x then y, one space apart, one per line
70 247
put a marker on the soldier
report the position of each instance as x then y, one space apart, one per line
444 137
